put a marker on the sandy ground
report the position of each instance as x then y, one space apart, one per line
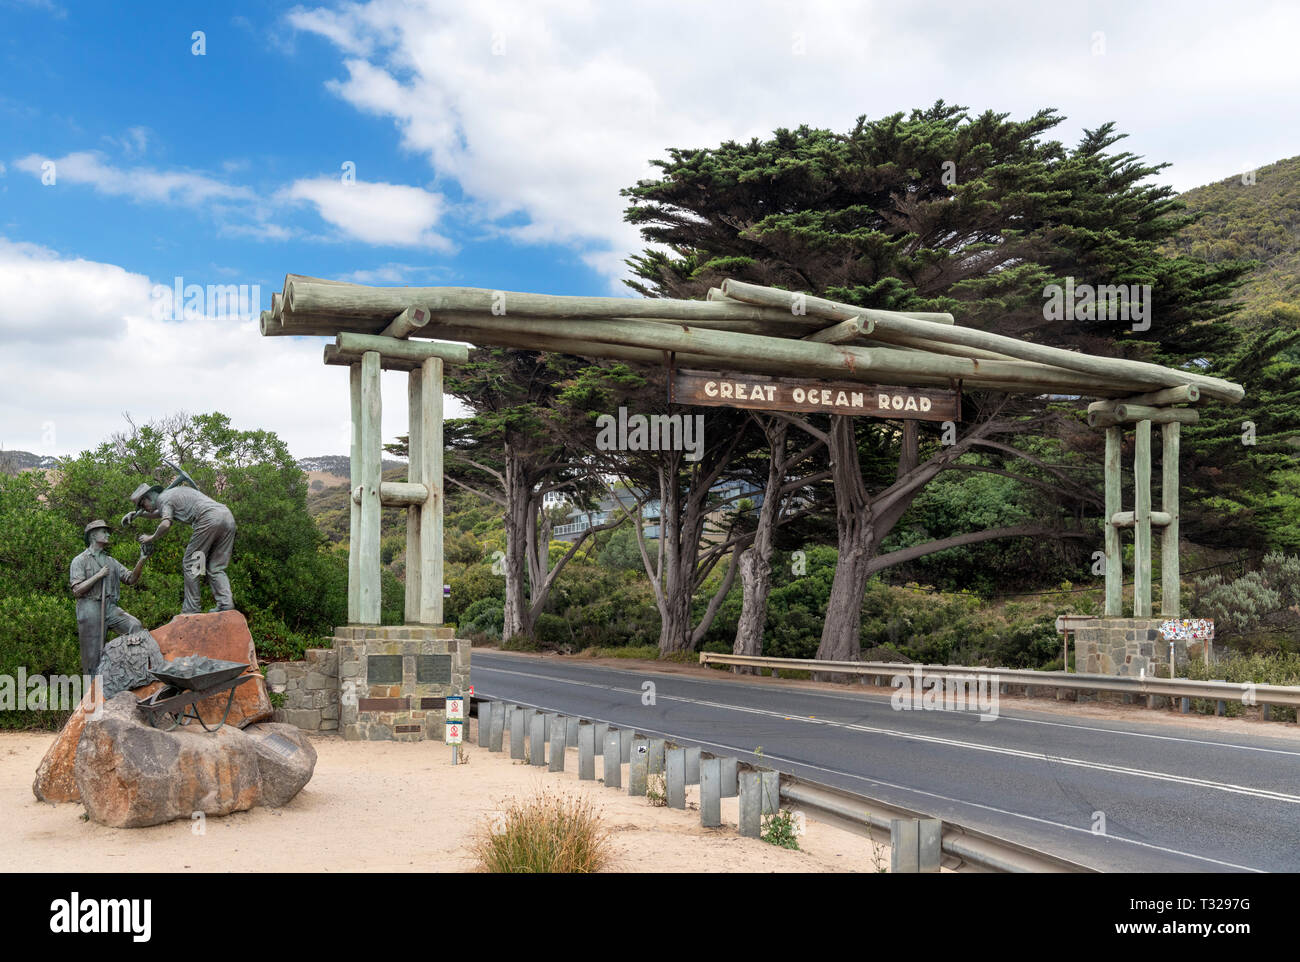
392 807
1097 711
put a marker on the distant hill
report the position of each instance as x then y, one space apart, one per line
1251 221
339 464
332 470
11 462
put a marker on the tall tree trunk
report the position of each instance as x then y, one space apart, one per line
517 515
854 535
756 561
675 606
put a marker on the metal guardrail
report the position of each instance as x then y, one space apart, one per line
1169 687
967 849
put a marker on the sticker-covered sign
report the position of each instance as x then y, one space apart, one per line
455 708
455 733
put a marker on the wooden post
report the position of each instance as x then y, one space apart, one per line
431 477
372 468
1170 588
415 465
1142 521
1114 554
354 514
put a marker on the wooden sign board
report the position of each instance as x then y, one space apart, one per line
758 391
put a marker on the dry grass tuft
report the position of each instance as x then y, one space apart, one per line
552 833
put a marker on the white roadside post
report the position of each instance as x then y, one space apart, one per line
455 725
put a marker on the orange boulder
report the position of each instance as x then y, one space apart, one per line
222 635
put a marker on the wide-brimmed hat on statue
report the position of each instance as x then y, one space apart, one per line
144 489
97 523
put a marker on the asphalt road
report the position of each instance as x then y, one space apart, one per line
1172 801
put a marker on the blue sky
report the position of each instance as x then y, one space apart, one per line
488 142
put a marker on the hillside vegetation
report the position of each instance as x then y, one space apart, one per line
1259 220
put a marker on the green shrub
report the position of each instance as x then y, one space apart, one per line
552 631
779 829
486 617
1259 669
1258 611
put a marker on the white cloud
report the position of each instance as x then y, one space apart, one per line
51 300
133 142
140 184
47 5
546 111
63 388
393 274
376 213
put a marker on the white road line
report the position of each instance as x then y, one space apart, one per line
952 742
917 791
881 700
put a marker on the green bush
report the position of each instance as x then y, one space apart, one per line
40 636
485 617
552 631
472 584
1259 611
1259 669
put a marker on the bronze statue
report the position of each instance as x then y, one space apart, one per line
96 578
211 540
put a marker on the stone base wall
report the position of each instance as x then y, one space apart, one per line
1125 646
394 680
310 689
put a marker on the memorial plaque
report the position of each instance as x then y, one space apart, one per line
383 669
807 396
281 745
433 669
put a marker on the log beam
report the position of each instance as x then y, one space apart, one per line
1127 519
1131 413
842 332
336 358
397 494
407 323
1183 394
392 347
889 322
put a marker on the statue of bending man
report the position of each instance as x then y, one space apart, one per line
212 538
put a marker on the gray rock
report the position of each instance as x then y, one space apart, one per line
285 759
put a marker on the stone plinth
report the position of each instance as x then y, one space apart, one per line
394 681
1125 646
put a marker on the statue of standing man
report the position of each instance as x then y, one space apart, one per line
96 578
211 540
